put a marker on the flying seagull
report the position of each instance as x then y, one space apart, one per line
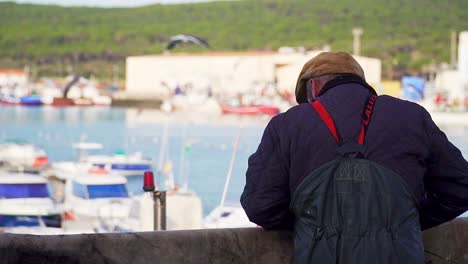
175 40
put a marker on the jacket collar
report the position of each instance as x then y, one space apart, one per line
344 79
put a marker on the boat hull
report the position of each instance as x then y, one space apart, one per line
250 110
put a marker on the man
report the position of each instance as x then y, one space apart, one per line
417 178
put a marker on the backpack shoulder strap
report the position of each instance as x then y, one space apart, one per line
366 117
326 118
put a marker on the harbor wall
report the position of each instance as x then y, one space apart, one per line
136 102
224 73
447 243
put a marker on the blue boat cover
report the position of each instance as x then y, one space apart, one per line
413 87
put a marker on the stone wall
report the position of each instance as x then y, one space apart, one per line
445 244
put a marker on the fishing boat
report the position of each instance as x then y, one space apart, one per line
100 201
59 101
250 110
99 204
26 205
18 95
125 164
120 162
78 91
133 164
32 100
25 100
20 155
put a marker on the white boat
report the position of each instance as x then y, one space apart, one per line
102 203
22 156
99 203
183 211
26 206
123 164
228 216
184 208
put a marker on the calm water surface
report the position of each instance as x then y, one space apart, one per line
207 161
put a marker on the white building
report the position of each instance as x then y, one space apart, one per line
227 73
455 82
12 77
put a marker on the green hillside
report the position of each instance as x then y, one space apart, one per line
405 34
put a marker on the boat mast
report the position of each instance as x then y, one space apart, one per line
231 167
162 149
185 150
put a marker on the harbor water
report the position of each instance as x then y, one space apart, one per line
199 147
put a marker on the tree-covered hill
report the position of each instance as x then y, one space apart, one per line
405 34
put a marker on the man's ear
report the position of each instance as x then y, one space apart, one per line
309 88
315 86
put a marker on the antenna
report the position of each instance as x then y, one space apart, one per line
115 71
357 32
231 167
453 49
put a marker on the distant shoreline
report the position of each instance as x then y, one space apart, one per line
443 119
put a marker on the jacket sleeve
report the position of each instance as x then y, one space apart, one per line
266 194
446 180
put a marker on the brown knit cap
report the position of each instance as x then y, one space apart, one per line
323 64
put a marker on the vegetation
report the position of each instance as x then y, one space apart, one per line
406 35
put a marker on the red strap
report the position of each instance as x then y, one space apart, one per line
366 116
326 118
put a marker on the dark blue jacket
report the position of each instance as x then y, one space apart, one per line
401 137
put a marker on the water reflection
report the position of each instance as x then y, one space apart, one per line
210 139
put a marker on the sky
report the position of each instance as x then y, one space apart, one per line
104 3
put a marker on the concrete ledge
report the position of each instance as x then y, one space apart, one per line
199 246
147 103
445 244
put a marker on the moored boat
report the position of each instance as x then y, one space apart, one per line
250 110
20 155
133 164
97 203
31 100
26 205
25 100
228 216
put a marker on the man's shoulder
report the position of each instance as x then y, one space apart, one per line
390 102
290 118
293 113
298 109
